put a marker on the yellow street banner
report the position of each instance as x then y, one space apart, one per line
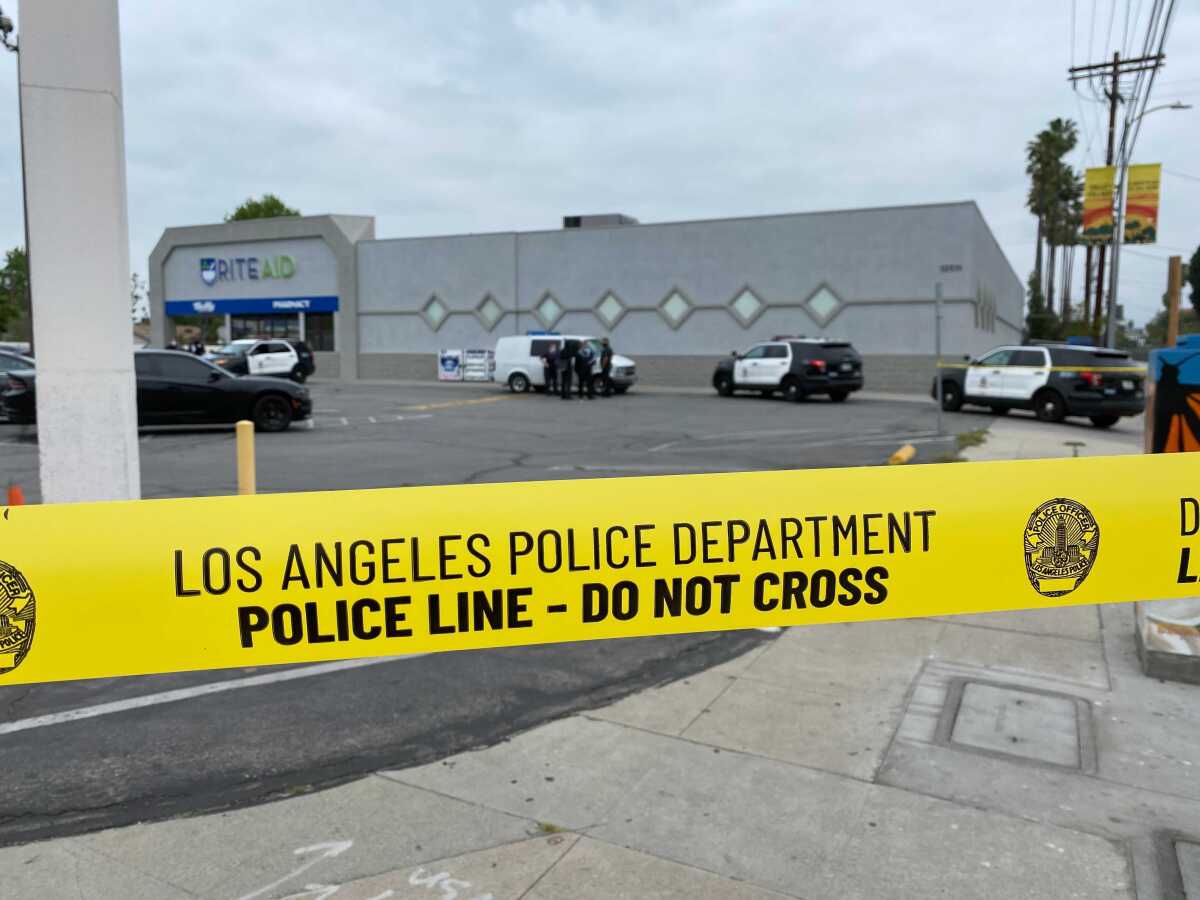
1098 205
1141 204
110 589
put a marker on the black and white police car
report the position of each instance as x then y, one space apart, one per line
1053 380
795 367
279 358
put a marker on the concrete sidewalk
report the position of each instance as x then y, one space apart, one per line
1013 755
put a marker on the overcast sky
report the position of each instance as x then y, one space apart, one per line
484 115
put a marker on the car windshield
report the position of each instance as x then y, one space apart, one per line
237 348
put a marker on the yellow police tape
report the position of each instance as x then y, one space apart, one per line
110 589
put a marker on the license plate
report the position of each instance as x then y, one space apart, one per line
1127 385
846 367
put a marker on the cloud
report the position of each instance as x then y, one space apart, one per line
487 115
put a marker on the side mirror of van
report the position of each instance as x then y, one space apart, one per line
734 354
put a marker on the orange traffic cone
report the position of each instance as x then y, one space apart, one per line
16 497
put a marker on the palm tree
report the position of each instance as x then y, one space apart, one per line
1051 182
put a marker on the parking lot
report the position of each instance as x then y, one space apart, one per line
388 435
86 754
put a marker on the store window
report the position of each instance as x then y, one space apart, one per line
318 330
286 327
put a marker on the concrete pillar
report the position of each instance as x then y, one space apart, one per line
74 142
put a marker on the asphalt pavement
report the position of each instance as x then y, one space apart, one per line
90 754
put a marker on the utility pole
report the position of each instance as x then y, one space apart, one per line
937 351
12 45
1174 285
73 138
1111 70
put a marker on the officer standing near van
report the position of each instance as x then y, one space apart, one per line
550 369
566 362
606 356
583 369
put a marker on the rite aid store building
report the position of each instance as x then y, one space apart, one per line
674 296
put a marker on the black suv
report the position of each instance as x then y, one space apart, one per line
1053 380
797 367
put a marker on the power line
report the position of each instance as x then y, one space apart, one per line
1182 175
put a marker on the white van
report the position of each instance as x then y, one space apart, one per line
519 361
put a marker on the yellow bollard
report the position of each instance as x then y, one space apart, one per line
903 455
245 457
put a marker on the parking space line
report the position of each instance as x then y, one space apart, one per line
200 690
451 404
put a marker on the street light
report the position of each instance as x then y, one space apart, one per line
10 44
1110 327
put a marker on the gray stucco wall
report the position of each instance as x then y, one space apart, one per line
874 271
675 296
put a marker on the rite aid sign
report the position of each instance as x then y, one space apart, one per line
245 268
284 276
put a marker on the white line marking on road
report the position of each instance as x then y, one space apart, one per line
199 690
310 423
326 411
345 421
371 419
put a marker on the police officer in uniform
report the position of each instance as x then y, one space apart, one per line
566 363
606 356
583 370
550 369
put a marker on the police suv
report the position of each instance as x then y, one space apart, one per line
1054 380
794 367
251 356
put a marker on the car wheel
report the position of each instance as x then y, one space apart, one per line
1000 410
952 398
793 390
518 382
1049 407
724 385
839 396
299 375
1105 421
598 383
272 413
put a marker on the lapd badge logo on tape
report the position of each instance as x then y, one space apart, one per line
1062 539
16 618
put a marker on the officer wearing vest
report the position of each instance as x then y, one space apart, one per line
583 370
566 363
606 356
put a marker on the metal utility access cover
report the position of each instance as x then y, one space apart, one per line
1016 722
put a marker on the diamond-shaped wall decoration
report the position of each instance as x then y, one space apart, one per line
747 306
609 310
823 304
435 312
548 310
675 308
489 312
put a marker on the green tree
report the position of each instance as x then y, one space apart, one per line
1041 323
1191 276
268 206
14 285
137 298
